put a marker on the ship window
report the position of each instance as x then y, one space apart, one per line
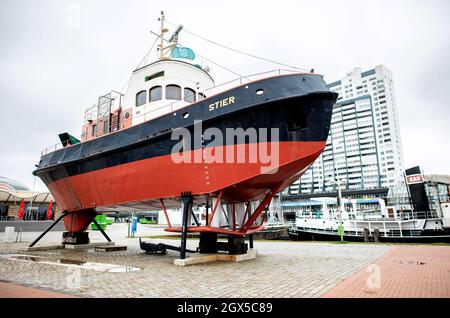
173 92
155 94
94 130
105 127
201 96
141 98
189 95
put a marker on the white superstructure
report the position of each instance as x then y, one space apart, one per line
172 82
153 88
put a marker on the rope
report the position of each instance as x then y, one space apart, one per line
240 52
221 66
144 59
142 62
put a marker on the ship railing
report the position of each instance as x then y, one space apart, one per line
409 215
402 216
92 112
359 231
174 106
386 229
51 149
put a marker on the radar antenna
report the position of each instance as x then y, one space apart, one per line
171 43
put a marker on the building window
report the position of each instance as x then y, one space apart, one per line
141 98
173 92
155 94
189 95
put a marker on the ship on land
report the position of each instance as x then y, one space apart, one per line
135 152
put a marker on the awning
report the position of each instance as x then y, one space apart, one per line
16 197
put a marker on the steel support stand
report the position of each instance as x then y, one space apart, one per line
165 213
101 230
195 218
48 229
186 199
207 210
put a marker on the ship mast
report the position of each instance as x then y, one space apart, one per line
171 43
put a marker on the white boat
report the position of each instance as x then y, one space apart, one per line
365 219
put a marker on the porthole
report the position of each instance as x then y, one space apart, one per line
127 115
185 115
259 92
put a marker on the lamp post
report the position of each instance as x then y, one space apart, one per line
341 209
337 182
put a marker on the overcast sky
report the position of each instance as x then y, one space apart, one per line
58 56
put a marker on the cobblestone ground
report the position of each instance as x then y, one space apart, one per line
282 269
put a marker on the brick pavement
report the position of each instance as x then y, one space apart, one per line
282 269
404 271
8 290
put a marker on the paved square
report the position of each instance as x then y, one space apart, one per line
404 271
282 269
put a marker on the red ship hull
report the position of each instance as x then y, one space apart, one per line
141 184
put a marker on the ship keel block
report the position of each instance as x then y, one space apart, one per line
209 245
76 223
216 257
76 238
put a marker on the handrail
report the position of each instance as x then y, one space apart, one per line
367 216
220 88
355 231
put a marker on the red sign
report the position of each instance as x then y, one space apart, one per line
417 178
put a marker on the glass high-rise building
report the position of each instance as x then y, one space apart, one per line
364 145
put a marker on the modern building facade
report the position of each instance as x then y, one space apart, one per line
13 192
364 145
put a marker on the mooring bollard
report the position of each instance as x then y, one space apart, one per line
366 235
376 235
